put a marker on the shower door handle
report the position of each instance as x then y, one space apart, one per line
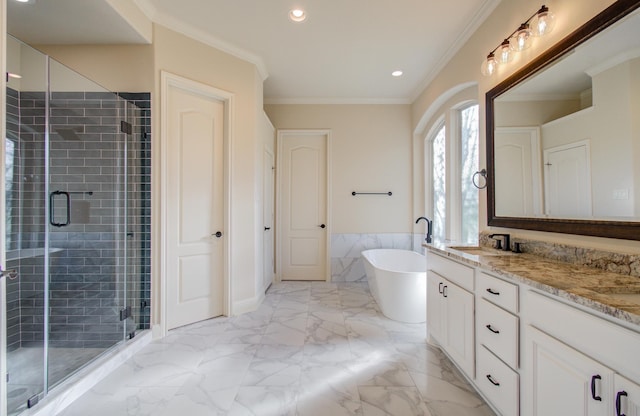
52 208
12 274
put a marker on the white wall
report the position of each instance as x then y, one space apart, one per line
370 152
126 68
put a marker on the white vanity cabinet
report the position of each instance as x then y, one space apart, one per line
562 381
627 396
450 309
576 363
527 351
497 332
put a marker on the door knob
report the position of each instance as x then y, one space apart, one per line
218 234
322 226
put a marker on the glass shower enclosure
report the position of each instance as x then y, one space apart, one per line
77 227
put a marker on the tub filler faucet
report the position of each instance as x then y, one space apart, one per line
429 228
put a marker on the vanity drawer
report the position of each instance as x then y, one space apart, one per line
498 291
453 271
497 330
498 382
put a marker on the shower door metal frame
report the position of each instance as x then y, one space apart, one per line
3 303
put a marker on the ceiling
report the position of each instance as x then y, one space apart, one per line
344 52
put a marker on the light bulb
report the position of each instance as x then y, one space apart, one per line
504 52
297 15
489 65
521 40
543 22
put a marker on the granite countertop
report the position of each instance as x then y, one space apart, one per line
612 294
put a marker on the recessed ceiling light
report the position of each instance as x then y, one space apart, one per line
396 73
26 1
297 15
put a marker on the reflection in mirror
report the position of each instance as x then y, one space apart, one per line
565 141
563 135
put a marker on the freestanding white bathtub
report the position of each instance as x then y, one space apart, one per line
398 282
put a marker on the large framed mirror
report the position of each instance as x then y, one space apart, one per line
563 134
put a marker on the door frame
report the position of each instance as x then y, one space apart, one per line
169 80
278 246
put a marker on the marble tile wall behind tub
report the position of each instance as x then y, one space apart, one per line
346 262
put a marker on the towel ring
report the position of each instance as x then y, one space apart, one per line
482 173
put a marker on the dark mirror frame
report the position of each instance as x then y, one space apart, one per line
610 229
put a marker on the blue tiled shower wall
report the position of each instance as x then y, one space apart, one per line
97 265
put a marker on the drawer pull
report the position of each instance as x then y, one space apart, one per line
490 328
440 288
444 291
493 292
495 383
619 403
593 388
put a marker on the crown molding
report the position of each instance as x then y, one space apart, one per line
182 27
480 16
337 101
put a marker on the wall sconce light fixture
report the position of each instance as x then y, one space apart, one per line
539 24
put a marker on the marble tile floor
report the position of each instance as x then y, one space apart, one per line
310 349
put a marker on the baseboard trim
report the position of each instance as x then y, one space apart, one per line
238 307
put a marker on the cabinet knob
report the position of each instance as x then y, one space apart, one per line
593 388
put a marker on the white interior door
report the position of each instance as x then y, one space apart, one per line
303 225
195 209
518 171
268 195
568 181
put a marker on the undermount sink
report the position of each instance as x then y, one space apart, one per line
481 251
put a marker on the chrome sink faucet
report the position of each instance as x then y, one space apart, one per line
429 228
502 244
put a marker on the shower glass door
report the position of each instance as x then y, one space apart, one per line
68 228
85 221
24 226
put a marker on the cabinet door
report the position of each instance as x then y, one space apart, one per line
434 306
626 397
459 331
562 381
